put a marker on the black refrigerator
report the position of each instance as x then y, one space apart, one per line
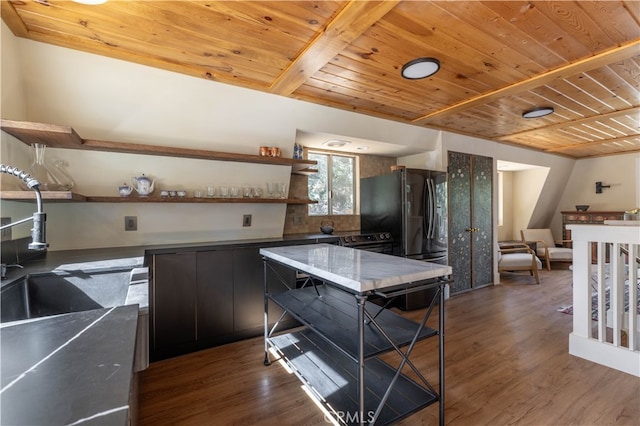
411 204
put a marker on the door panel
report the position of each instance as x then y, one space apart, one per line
459 221
215 294
482 220
173 320
470 220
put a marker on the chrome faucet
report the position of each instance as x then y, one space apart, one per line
39 218
5 267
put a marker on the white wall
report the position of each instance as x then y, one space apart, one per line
619 171
505 231
527 189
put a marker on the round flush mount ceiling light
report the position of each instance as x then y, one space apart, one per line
537 112
420 68
335 143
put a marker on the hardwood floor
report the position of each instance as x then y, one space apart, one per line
507 362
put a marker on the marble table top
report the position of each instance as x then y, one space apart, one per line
356 270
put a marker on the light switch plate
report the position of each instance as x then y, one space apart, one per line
131 223
246 220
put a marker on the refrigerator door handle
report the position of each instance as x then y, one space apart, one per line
429 208
425 214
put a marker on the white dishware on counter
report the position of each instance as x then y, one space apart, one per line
164 193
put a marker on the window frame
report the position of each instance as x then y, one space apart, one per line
354 183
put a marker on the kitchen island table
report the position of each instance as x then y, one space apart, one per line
335 353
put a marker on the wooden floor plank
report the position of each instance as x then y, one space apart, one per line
507 362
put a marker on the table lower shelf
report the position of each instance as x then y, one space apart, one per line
333 314
333 378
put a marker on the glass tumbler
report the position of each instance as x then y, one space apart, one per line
271 189
281 189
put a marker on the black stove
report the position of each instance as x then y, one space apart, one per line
380 242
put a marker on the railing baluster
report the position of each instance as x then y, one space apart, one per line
601 291
634 265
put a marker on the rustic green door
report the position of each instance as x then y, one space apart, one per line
470 220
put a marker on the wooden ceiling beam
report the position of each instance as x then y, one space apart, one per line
349 24
566 124
608 57
12 19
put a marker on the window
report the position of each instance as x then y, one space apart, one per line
333 186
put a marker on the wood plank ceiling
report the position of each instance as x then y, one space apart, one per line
498 58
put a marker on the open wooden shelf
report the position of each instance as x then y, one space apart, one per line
72 196
46 195
57 136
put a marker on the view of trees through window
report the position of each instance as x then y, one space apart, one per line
333 185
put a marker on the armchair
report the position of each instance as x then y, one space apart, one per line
519 257
546 246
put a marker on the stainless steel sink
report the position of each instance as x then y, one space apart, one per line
53 293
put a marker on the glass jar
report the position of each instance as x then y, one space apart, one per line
51 176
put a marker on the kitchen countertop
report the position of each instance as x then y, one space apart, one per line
358 271
73 367
78 368
134 255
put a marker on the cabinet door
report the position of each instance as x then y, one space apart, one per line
460 221
173 304
249 289
470 221
214 308
482 211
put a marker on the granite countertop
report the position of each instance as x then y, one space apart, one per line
355 270
78 368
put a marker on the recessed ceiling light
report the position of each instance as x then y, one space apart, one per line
335 143
420 68
537 112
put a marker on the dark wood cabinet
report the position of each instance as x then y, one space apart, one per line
248 283
214 295
588 218
206 298
470 197
173 303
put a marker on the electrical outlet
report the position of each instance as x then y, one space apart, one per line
298 220
6 233
131 223
246 220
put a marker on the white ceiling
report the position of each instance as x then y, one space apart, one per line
318 140
510 166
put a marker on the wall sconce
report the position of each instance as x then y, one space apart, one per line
600 186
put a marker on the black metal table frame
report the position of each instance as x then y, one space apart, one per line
365 317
